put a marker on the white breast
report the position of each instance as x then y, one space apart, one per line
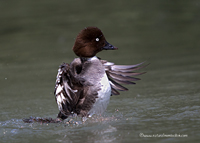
103 97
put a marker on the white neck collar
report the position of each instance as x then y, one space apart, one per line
88 59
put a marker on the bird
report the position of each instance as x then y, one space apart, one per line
84 87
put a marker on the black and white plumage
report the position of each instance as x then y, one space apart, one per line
76 95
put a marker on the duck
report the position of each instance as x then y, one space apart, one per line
84 87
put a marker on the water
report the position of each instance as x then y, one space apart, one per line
37 36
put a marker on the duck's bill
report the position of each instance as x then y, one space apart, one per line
108 46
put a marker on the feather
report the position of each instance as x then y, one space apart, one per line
122 74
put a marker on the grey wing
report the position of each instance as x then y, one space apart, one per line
121 74
66 97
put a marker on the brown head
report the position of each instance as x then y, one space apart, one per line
90 41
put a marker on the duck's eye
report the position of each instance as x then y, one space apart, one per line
97 39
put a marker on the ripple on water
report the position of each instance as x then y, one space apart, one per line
16 128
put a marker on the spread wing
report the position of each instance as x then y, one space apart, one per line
121 74
65 94
72 92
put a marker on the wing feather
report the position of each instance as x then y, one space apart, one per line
65 95
122 74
